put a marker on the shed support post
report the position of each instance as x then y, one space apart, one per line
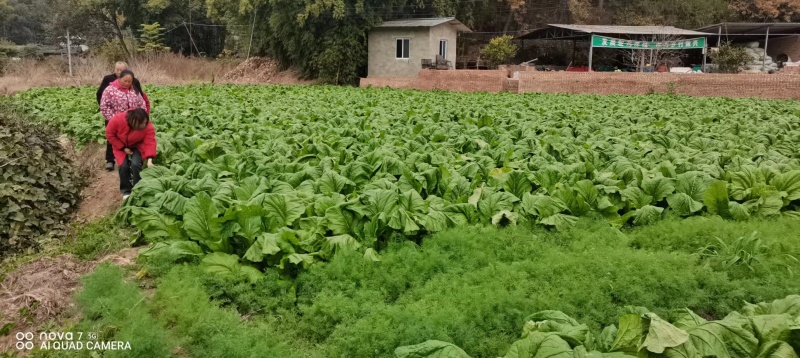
705 54
764 61
591 49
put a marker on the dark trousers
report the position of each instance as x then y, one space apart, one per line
109 151
129 172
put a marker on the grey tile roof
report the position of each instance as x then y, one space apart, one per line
430 22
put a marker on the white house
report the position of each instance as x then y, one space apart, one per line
397 48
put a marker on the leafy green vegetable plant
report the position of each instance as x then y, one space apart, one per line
286 177
761 330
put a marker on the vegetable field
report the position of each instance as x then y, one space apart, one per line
255 177
342 222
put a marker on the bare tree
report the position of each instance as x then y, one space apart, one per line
655 56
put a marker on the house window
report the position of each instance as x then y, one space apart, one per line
443 48
403 46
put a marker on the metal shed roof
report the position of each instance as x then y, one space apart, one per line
749 29
429 22
565 31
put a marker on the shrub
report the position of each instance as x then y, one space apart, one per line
730 59
39 186
499 50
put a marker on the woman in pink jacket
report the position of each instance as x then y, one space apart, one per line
119 97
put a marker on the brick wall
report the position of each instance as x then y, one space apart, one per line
777 86
789 46
458 81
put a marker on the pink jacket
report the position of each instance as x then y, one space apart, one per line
118 100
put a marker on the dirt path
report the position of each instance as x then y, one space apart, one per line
101 195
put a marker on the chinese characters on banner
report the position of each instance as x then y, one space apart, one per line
610 42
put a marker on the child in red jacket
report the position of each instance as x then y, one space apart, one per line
133 139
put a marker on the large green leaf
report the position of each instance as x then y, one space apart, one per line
540 345
716 199
738 211
557 322
768 204
788 183
228 266
789 305
458 190
435 219
461 214
496 203
249 187
382 204
605 340
201 221
334 244
575 203
430 349
581 352
630 335
297 259
174 249
686 350
773 327
155 225
518 184
693 184
281 210
658 188
687 319
332 182
343 221
723 340
744 182
662 335
171 202
684 204
250 224
648 214
776 349
587 191
411 202
560 221
268 244
372 255
636 197
542 206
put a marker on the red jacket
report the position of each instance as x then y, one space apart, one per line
121 136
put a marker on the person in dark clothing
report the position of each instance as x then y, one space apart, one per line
107 80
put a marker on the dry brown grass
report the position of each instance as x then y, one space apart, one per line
169 69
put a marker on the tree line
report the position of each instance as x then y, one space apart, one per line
326 39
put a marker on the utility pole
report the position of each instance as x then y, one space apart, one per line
69 53
190 24
252 29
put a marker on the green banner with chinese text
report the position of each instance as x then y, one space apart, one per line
610 42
